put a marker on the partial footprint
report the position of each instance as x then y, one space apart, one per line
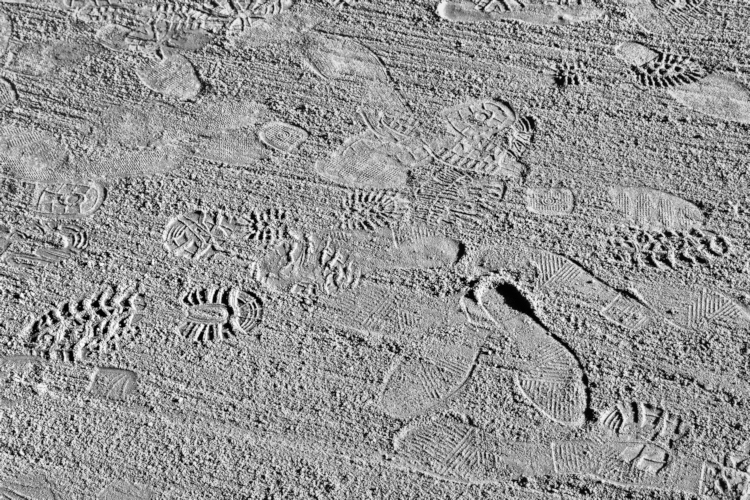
716 95
553 201
416 385
125 490
375 309
486 137
32 488
172 76
448 449
233 147
699 309
86 329
282 136
337 57
449 197
636 420
558 12
68 200
555 276
308 260
33 155
666 16
6 31
410 247
453 450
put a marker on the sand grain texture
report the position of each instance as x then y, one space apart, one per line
374 249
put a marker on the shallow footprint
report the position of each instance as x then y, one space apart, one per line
717 95
172 76
359 163
665 16
564 12
556 276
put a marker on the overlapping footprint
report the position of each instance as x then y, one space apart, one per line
483 137
637 454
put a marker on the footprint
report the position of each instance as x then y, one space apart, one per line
112 383
412 247
172 76
346 62
453 450
699 309
394 127
42 243
126 142
33 155
265 226
119 38
211 116
197 234
8 93
214 314
571 73
134 139
666 16
233 147
638 464
337 57
92 327
372 209
639 421
415 385
717 95
450 197
487 137
553 201
448 449
22 378
6 32
668 249
374 309
358 163
545 13
309 260
125 490
651 209
32 488
342 3
549 376
553 276
420 382
282 136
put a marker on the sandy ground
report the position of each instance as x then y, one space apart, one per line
374 249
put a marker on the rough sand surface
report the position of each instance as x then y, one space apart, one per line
374 249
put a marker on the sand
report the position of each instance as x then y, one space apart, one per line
374 249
